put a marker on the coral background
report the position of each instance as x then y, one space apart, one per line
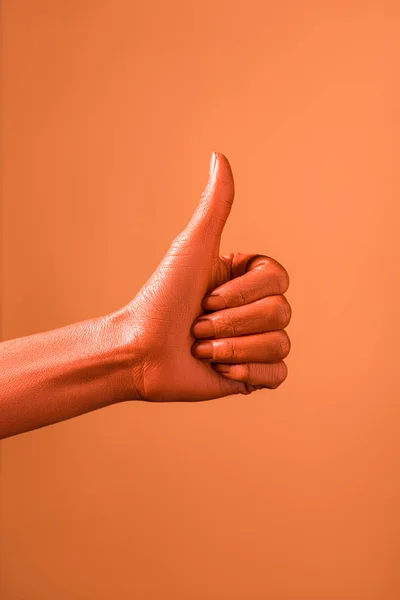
111 110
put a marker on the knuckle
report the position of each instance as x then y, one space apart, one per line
257 260
284 311
284 344
279 273
283 280
216 326
281 276
279 374
240 292
230 325
229 350
217 221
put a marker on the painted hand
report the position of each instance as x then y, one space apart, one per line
206 325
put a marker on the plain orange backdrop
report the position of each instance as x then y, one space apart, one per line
111 110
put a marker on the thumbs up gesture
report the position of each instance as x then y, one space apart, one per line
205 325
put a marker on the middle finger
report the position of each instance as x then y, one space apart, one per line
271 346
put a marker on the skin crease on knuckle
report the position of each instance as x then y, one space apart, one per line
281 275
229 350
284 311
283 344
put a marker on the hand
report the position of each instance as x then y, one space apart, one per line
205 325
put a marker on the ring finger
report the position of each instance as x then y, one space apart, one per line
269 347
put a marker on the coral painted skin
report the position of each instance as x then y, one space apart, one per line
203 326
207 325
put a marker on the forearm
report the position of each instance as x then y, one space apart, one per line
53 376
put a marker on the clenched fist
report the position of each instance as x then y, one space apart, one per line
207 325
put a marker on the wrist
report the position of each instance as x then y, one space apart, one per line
120 344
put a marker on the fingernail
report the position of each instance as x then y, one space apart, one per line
214 302
222 368
213 163
204 350
203 328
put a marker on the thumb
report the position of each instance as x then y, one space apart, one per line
216 201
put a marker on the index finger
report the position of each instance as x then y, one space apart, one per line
264 276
